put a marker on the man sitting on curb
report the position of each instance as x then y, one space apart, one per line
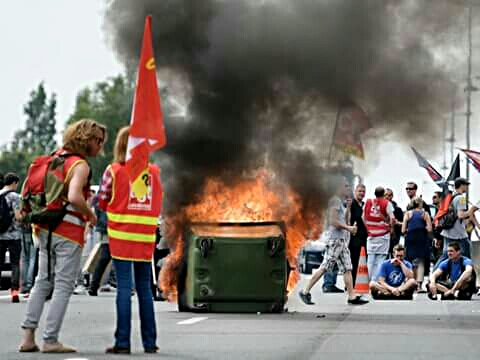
454 278
394 278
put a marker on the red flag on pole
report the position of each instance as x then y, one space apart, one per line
434 174
352 122
147 131
473 157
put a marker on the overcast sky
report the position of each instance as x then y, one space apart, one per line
62 43
56 41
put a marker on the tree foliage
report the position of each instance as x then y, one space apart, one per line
39 134
110 103
36 138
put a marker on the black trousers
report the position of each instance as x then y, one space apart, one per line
15 248
102 264
355 247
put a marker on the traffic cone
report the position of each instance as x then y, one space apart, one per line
361 283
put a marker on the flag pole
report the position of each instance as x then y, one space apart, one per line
333 136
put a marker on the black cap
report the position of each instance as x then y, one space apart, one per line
461 181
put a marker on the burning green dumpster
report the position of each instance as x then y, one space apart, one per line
233 267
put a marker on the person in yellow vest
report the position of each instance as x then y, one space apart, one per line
132 223
58 266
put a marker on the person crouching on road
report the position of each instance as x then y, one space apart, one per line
337 246
394 278
85 138
454 278
132 222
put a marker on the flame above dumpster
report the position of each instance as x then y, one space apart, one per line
257 198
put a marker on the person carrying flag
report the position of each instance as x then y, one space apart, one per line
131 193
457 233
131 227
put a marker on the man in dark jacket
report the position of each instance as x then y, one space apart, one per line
398 214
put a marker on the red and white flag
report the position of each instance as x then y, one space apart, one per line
352 122
473 157
147 130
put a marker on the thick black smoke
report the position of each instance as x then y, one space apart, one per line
265 78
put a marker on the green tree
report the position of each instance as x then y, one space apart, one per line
36 138
39 134
110 103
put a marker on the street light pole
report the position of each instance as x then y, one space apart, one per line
469 89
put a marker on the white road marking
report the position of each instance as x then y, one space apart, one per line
192 321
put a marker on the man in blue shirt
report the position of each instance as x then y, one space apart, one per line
454 278
394 278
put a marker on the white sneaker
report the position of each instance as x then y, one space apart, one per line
107 288
80 290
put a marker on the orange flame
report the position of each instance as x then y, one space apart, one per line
261 198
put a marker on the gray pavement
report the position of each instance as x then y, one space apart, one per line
330 329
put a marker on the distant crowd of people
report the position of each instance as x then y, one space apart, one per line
402 247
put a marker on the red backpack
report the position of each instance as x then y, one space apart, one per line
43 193
43 200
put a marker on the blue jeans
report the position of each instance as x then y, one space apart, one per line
142 273
374 261
29 255
330 279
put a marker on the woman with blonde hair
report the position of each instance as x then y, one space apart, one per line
132 222
61 247
417 226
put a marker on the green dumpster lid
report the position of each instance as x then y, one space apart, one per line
237 230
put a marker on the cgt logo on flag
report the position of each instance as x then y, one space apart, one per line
147 131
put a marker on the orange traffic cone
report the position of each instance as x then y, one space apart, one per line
361 283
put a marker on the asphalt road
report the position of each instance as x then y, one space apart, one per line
331 329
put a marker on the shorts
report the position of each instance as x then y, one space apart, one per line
337 253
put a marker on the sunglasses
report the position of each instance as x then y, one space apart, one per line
99 140
409 189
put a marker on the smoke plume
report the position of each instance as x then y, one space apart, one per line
262 80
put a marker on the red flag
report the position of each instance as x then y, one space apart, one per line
147 131
473 157
434 174
352 122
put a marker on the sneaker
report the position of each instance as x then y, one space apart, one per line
107 288
431 296
117 350
15 296
306 298
358 300
92 292
332 289
80 290
447 297
152 350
